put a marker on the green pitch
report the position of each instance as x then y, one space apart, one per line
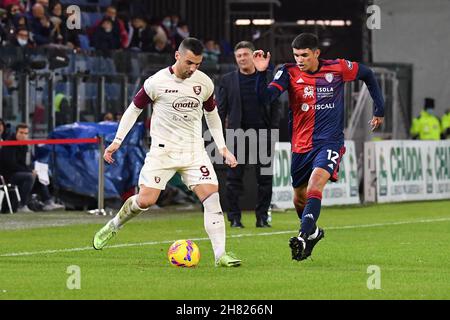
409 244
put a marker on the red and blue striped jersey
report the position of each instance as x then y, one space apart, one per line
316 101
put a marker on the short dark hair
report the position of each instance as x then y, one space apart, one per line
21 126
305 41
244 45
193 44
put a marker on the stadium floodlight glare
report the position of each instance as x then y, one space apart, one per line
337 23
263 22
243 22
332 23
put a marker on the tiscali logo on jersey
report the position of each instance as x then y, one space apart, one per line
308 92
306 107
186 104
197 89
323 106
329 77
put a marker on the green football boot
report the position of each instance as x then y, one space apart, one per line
105 234
228 260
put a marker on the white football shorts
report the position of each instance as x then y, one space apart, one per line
160 165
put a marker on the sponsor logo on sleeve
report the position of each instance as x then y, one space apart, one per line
278 75
349 64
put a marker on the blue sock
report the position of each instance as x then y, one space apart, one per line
311 212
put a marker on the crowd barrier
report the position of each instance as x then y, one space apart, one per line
101 167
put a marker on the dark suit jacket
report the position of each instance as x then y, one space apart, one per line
12 160
230 107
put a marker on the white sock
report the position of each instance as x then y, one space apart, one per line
129 210
215 224
314 235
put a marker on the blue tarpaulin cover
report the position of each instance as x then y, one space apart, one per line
75 166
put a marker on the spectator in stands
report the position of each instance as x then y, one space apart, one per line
181 33
40 25
3 35
6 3
169 29
16 171
161 46
211 52
3 132
118 116
119 32
427 125
108 117
59 23
103 39
445 124
21 21
10 22
240 108
22 39
159 31
143 34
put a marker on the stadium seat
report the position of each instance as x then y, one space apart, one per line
84 42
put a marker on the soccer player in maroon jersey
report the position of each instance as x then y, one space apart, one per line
316 100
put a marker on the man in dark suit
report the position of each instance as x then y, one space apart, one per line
239 108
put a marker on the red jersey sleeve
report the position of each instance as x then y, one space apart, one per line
210 104
349 69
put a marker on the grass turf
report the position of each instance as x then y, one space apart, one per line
409 242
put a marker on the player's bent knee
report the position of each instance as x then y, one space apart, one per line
212 203
145 203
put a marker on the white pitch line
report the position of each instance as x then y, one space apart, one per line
19 254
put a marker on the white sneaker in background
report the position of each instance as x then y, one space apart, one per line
51 206
24 209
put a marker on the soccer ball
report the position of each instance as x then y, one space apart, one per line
184 253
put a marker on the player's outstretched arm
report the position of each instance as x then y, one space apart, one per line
366 74
113 147
215 127
126 123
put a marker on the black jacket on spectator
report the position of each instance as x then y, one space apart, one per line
230 107
143 39
41 34
13 159
104 41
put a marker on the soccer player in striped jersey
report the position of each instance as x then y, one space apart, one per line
316 116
